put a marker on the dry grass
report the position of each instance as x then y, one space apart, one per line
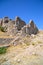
27 52
5 35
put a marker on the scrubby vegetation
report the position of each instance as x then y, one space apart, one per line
3 50
2 29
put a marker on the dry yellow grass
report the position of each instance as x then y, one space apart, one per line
4 35
24 54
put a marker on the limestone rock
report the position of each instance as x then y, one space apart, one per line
27 29
31 23
24 29
30 28
14 26
5 21
33 28
20 23
1 22
12 30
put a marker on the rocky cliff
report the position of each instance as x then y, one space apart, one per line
14 26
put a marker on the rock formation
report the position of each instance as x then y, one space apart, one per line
15 26
1 22
12 27
19 23
33 28
30 28
5 21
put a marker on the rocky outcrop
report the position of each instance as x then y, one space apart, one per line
33 27
11 24
30 28
5 21
12 31
1 22
12 27
19 23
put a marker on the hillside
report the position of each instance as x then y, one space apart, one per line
29 51
25 47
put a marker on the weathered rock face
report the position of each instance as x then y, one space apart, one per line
31 23
30 28
11 24
1 22
20 23
27 29
12 27
5 21
33 28
12 31
23 30
15 26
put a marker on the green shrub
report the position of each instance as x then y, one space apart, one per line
2 29
3 50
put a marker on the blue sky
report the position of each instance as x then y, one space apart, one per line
25 9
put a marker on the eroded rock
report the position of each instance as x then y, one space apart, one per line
20 23
30 28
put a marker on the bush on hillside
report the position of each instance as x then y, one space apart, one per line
2 29
3 50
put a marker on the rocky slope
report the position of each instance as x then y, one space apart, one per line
26 44
28 51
